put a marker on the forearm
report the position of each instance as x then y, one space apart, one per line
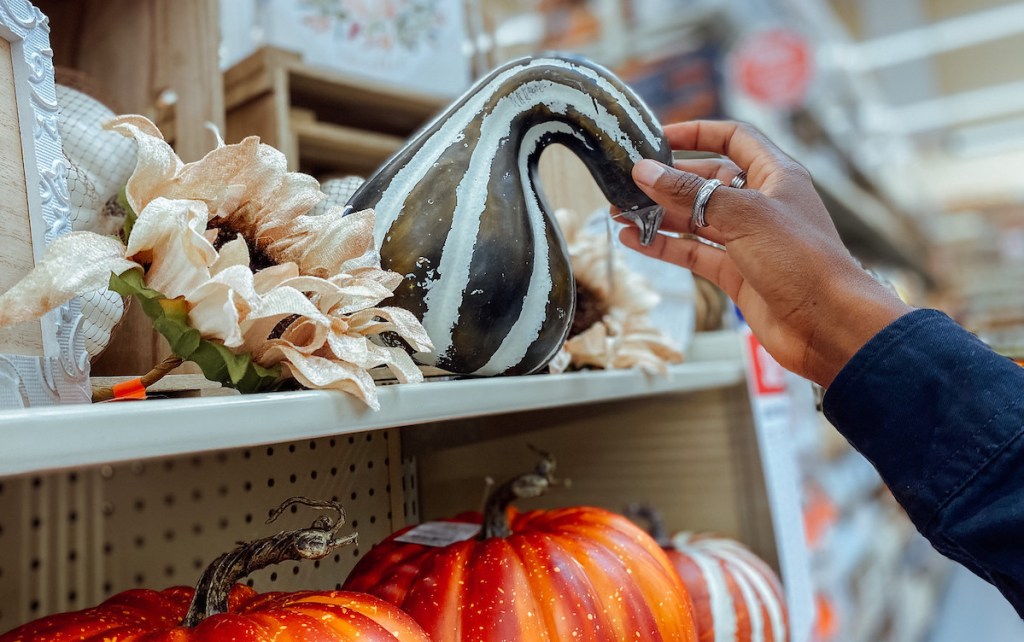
942 417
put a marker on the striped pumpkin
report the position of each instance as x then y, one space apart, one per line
460 212
736 596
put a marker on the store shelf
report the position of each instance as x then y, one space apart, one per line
60 437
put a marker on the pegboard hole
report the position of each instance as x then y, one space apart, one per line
72 596
295 570
291 448
373 519
312 445
334 471
72 556
169 571
312 474
332 443
351 440
370 492
140 579
293 478
35 564
273 577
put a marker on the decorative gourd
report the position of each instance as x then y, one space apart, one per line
460 212
220 609
737 597
564 575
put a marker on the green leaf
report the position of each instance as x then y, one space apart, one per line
129 214
170 318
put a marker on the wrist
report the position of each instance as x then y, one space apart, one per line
857 308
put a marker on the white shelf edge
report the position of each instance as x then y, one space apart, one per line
52 438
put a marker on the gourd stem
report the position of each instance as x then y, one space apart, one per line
653 518
313 543
531 484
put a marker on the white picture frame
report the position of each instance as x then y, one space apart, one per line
45 365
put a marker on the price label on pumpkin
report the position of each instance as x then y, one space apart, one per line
439 534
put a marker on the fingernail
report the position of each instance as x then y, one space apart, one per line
647 172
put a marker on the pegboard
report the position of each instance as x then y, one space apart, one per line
69 540
693 456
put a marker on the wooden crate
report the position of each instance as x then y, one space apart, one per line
327 123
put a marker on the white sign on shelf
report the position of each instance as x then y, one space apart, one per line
772 395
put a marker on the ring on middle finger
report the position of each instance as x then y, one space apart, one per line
700 203
739 181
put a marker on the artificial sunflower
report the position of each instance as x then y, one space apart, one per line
226 261
611 328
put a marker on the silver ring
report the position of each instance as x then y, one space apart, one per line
739 181
700 203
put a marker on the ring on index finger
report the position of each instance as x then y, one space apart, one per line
700 203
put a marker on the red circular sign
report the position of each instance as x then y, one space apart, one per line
774 67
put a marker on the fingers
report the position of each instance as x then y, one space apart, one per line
721 168
676 191
709 262
744 145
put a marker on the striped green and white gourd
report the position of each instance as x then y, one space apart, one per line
737 597
460 212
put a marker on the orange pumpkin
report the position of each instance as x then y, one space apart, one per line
737 597
564 575
221 610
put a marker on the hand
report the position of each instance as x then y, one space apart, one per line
804 296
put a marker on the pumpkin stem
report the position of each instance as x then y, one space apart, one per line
313 543
655 521
531 484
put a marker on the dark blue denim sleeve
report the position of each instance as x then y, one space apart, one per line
941 416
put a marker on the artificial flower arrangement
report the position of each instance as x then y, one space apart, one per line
612 326
226 261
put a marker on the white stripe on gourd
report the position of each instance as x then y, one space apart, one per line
745 562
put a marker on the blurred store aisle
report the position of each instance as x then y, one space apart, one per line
974 611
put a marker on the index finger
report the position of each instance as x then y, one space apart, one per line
741 143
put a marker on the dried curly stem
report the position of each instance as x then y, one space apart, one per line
313 543
531 484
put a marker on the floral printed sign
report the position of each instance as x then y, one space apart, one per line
418 44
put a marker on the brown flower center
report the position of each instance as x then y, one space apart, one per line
590 308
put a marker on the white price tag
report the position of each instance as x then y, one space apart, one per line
439 533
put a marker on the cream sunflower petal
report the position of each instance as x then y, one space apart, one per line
233 253
324 374
397 320
168 235
157 163
269 278
76 263
214 312
330 243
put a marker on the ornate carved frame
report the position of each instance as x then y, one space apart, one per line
61 374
